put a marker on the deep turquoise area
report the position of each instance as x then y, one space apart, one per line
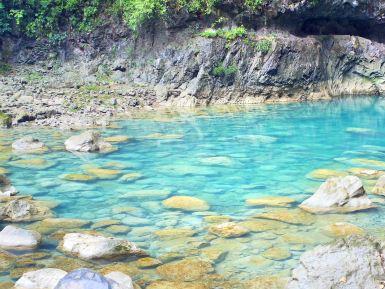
223 158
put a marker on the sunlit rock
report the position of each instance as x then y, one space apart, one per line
228 230
26 210
186 270
323 174
339 194
290 216
174 233
88 141
276 253
98 247
50 225
35 163
270 201
117 139
28 144
78 177
342 229
124 281
352 263
147 262
186 203
379 187
15 238
104 174
46 278
131 177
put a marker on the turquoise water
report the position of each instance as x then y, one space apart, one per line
267 150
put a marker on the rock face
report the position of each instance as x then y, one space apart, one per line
339 194
28 144
88 141
353 263
12 237
98 247
41 279
21 210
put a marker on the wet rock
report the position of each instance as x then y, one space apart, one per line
78 177
131 177
174 233
117 229
117 139
267 282
20 210
290 216
217 219
148 262
276 253
35 163
50 225
339 194
176 285
46 278
15 238
124 281
186 270
379 187
270 201
103 174
366 173
263 225
352 263
28 144
228 230
89 247
88 141
323 174
342 229
186 203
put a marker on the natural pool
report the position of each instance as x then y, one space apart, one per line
223 156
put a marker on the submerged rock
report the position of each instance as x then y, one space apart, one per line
270 201
46 278
78 177
90 247
12 237
379 187
290 216
323 174
22 210
339 194
117 139
342 229
228 230
186 270
28 144
186 203
88 141
352 263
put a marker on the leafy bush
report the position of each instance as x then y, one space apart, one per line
264 45
222 71
254 4
228 34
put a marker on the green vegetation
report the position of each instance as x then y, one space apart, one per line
57 19
228 34
222 71
5 68
263 45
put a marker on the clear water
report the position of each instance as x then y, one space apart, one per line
269 150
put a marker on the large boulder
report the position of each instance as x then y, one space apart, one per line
88 279
28 144
23 210
88 141
98 247
338 195
12 237
352 263
46 278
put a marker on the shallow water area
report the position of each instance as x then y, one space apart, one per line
221 156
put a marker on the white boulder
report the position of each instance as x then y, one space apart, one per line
88 141
338 195
46 278
90 247
12 237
